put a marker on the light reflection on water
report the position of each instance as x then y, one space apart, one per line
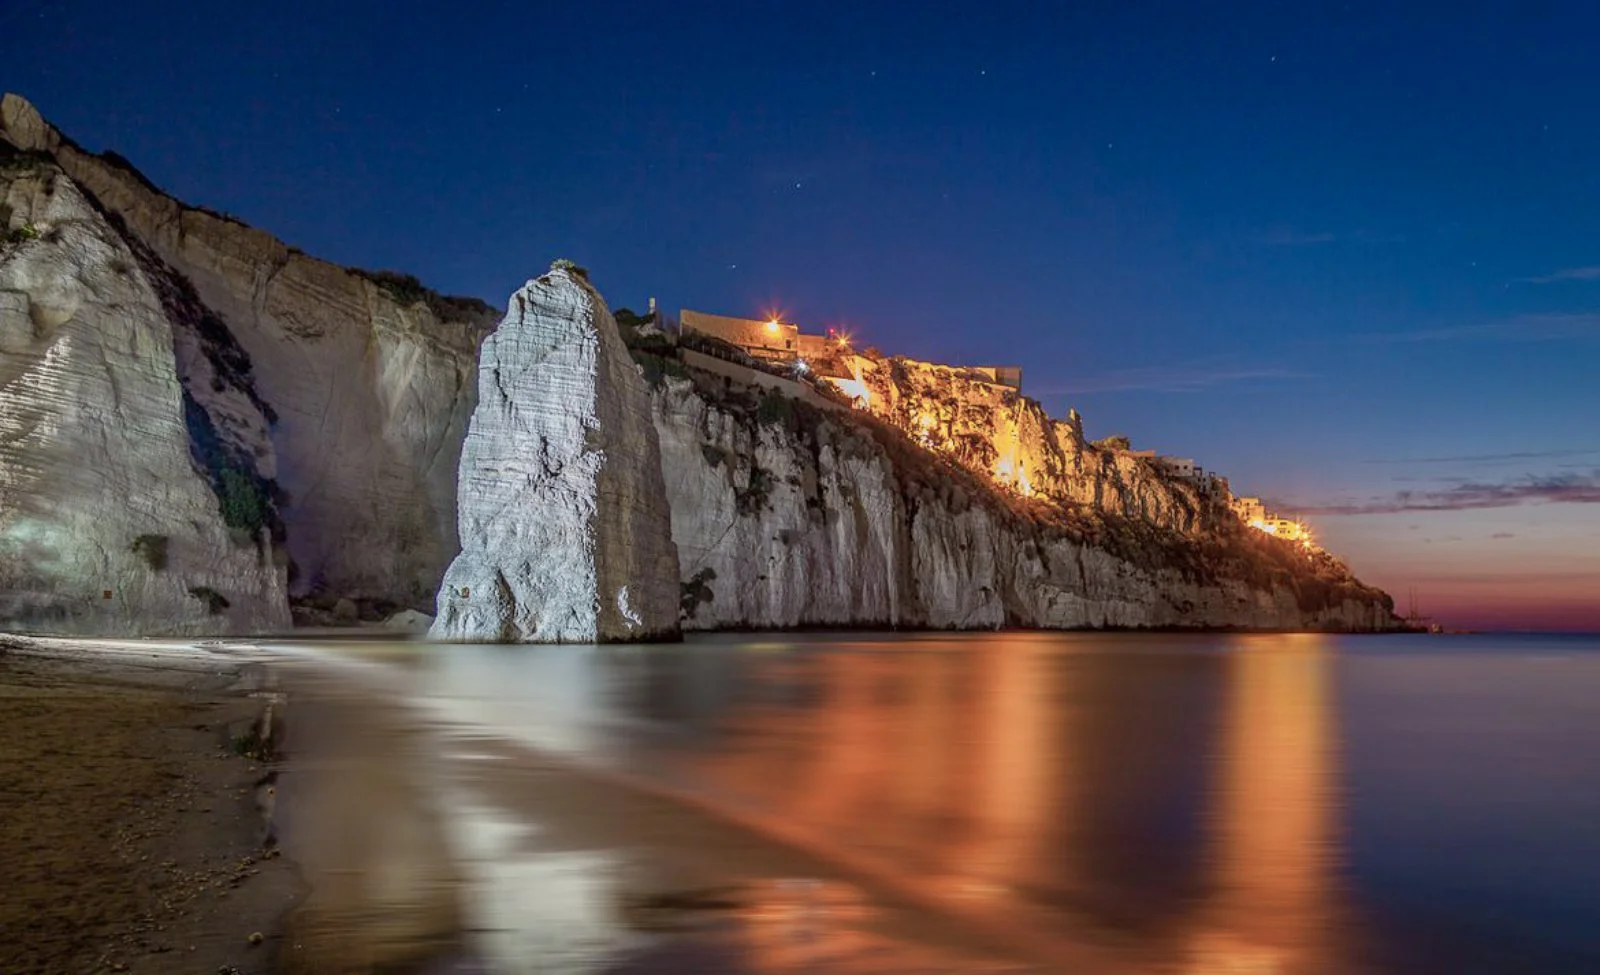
1185 804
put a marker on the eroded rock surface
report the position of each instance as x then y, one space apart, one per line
136 477
564 525
372 378
790 516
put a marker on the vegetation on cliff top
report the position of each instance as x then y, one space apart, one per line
407 290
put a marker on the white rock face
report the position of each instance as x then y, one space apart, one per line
814 524
372 380
108 522
565 533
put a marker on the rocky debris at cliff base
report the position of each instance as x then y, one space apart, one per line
409 621
565 532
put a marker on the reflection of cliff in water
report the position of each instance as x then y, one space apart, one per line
1275 899
1180 799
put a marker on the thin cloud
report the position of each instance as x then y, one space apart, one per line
1504 535
1189 378
1554 489
1484 458
1522 328
1590 273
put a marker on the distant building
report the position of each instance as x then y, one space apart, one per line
814 347
1287 528
1250 510
1180 467
1255 514
771 339
781 341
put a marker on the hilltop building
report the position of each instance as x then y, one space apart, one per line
768 340
1250 510
1254 513
775 340
1209 484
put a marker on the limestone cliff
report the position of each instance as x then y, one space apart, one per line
996 432
194 417
371 378
785 515
564 526
136 476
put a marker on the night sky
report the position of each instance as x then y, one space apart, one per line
1348 256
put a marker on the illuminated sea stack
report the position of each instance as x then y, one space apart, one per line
565 533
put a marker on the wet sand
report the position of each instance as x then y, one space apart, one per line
132 833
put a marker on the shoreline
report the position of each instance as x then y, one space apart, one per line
139 841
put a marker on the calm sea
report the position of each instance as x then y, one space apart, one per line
1283 804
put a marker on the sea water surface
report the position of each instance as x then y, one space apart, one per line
1080 802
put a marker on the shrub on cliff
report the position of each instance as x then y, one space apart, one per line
245 505
696 591
23 233
215 601
407 290
639 333
628 319
752 498
775 409
572 267
657 368
14 160
247 501
153 549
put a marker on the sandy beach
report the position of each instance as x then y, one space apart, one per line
133 838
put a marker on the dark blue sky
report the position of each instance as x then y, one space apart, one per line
1334 250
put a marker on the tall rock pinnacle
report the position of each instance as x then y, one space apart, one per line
565 531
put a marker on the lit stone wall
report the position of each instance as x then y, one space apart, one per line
756 337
